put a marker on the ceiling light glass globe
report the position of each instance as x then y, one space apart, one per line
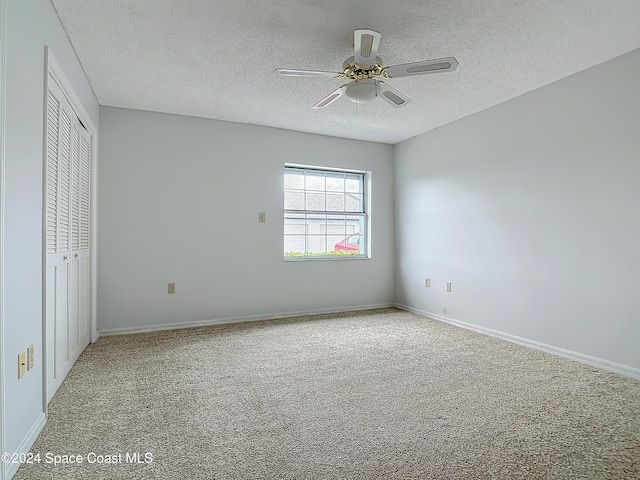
361 91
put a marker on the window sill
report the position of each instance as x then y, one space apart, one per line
331 258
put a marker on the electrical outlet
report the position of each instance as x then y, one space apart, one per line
448 286
427 282
262 217
444 310
171 288
22 364
31 359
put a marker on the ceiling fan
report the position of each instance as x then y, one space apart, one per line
365 69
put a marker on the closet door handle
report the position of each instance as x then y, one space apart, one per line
65 258
76 255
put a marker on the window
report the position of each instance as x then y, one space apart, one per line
325 213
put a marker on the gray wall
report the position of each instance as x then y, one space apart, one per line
32 24
530 209
178 202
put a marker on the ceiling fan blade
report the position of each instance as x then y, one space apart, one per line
448 64
332 97
391 95
291 72
365 44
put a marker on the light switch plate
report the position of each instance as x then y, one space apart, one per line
31 359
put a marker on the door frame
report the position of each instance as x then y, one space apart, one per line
3 72
53 69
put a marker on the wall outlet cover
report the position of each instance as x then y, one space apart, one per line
22 364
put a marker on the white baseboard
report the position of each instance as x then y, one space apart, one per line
25 446
226 320
580 357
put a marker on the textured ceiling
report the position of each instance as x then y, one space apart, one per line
215 58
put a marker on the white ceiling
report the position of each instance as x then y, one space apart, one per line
215 58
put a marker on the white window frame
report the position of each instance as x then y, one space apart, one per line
365 252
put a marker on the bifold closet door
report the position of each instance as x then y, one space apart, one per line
67 227
78 272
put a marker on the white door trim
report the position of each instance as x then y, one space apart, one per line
3 70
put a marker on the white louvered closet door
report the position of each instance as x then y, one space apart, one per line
67 207
84 225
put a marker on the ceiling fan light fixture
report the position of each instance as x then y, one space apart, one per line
368 73
362 91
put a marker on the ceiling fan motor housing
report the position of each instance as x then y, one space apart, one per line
351 69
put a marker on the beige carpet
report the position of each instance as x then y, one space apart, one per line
378 394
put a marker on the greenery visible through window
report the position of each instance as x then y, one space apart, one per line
324 213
